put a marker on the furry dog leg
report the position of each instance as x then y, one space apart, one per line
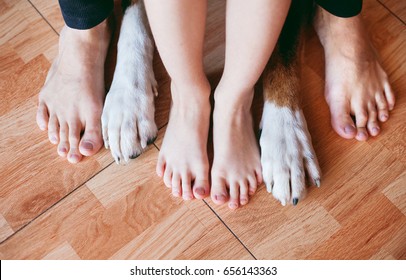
286 146
128 114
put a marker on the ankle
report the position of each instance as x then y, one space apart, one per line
234 99
190 93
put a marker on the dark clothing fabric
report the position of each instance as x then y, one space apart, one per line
341 8
85 14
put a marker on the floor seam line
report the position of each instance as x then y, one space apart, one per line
56 203
43 17
229 229
390 11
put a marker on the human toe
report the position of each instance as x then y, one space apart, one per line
233 203
201 188
218 191
244 193
382 105
342 122
372 125
176 185
63 146
361 119
74 155
42 116
91 141
53 129
187 193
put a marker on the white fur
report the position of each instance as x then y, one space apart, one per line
286 150
128 113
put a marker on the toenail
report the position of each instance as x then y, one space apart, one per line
220 197
349 129
53 139
384 117
295 201
88 145
200 191
233 205
63 150
375 130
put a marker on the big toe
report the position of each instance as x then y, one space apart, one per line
91 141
42 116
342 122
219 194
201 188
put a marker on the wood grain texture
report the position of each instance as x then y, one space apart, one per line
50 209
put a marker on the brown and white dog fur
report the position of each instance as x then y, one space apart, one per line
286 147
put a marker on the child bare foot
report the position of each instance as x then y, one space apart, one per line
183 161
236 170
71 101
356 84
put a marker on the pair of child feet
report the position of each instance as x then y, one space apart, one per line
71 102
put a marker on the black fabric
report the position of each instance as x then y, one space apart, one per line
85 14
341 8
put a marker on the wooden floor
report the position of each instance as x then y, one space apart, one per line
50 209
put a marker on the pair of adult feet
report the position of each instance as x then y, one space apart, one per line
71 102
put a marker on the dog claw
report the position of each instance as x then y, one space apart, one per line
134 156
269 187
151 140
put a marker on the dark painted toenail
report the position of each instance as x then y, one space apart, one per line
349 129
317 182
134 156
295 201
88 145
200 191
151 140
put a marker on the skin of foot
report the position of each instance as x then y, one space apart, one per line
71 100
183 161
236 169
356 85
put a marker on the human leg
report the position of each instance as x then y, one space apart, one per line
252 30
178 29
356 84
71 100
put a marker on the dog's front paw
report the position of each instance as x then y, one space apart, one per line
128 122
286 151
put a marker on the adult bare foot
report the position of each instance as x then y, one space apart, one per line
183 161
236 170
356 84
71 101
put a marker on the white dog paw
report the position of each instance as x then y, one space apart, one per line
128 122
128 114
286 152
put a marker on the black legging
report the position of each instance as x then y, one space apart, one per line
341 8
85 14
